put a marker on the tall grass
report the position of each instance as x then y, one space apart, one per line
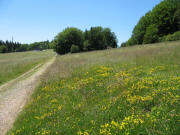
14 64
124 91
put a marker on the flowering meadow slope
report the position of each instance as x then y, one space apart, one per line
115 92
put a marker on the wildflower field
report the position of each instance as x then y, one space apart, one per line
129 91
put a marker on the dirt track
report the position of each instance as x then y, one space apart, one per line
14 95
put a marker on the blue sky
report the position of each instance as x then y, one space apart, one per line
37 20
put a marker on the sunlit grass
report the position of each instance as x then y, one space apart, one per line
121 91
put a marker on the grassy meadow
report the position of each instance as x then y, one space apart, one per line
126 91
15 64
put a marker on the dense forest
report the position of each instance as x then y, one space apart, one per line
75 40
9 46
159 25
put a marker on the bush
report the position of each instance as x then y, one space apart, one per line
3 49
173 37
86 46
75 49
162 39
170 37
123 44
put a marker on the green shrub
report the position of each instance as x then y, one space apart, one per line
173 37
3 49
75 49
124 44
162 39
170 37
86 46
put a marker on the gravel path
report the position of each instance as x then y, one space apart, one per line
14 95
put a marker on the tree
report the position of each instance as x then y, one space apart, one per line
166 17
151 35
110 37
140 29
64 40
163 16
177 18
97 38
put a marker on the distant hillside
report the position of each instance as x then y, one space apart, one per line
160 24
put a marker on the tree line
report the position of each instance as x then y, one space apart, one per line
69 40
9 46
75 40
43 45
160 24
